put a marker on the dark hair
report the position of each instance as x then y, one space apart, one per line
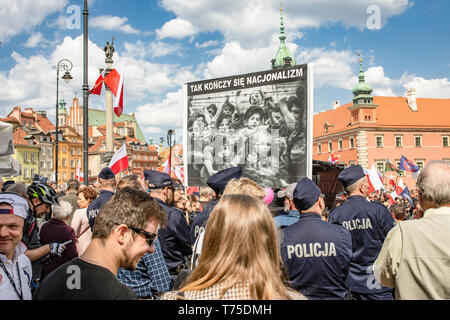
398 211
127 206
131 180
73 184
253 110
212 106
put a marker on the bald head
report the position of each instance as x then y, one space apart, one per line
434 184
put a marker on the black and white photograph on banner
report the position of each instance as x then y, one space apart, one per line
258 121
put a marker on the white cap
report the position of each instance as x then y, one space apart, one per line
288 192
19 204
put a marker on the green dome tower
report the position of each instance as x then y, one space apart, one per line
283 58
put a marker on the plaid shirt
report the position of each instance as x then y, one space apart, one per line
151 276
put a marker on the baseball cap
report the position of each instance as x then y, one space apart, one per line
288 192
19 204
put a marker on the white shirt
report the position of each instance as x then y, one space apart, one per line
7 291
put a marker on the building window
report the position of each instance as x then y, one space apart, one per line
63 162
379 142
64 149
72 151
420 164
33 157
42 164
49 164
64 176
79 151
25 173
319 149
445 141
49 151
352 143
330 146
418 141
340 145
398 141
32 173
72 163
72 175
25 157
380 166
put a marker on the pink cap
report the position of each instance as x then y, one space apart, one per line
269 196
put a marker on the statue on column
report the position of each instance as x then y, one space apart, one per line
109 50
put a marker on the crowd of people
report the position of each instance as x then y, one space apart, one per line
149 238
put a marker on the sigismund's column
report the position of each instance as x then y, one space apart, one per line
109 51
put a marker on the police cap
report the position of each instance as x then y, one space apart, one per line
106 173
156 179
219 181
306 194
350 175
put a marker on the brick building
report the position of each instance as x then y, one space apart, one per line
370 130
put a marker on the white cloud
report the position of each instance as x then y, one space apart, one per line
381 84
429 88
251 22
19 16
113 23
36 39
176 28
168 112
207 44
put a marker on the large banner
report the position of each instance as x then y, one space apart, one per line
260 121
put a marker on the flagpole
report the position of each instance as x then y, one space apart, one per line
85 96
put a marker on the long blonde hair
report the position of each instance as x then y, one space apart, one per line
240 245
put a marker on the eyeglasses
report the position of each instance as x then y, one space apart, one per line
149 237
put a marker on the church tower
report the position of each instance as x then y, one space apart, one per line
283 58
363 108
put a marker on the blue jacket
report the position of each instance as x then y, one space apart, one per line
285 220
95 206
199 222
368 223
175 238
317 257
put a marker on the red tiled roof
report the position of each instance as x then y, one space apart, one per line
19 137
9 119
45 124
391 112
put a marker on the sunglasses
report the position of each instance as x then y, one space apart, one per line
149 237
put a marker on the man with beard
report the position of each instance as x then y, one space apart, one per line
175 238
124 232
316 253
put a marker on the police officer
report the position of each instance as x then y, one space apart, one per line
217 182
316 253
368 223
174 238
107 181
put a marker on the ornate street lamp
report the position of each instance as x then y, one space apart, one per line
63 65
170 143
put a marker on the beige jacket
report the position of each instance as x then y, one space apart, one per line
415 257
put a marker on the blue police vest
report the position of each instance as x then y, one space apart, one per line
317 256
285 220
199 223
94 208
175 238
368 223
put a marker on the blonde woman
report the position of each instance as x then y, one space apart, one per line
240 257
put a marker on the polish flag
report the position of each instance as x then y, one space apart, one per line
114 81
78 173
391 181
119 161
165 166
392 197
97 87
375 182
179 173
400 187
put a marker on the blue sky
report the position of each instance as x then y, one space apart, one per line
170 42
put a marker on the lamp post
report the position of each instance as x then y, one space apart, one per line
170 143
85 95
63 65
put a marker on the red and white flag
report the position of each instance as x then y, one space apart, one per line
119 161
400 187
78 173
391 181
165 166
375 182
179 172
97 87
392 197
114 81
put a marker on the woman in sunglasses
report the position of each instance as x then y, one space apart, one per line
240 257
